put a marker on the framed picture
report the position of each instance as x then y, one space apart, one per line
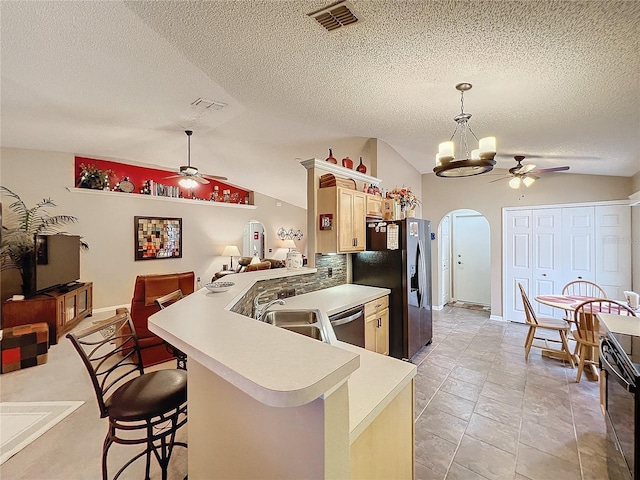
156 238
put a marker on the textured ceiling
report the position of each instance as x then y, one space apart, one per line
559 80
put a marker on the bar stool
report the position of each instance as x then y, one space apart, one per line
142 408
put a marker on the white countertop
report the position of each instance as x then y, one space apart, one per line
276 366
624 324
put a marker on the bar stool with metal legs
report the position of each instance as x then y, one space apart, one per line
142 408
163 302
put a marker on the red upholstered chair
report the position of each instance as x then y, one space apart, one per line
147 289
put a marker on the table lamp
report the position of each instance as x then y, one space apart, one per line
231 251
289 243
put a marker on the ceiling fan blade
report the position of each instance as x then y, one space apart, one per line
551 156
551 169
498 179
199 179
174 176
215 177
527 168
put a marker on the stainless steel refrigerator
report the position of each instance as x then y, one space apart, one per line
398 257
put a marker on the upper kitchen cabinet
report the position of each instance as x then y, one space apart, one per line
336 213
342 214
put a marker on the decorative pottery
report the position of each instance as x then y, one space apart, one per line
347 162
331 158
361 167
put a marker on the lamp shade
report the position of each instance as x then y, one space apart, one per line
289 243
231 251
255 259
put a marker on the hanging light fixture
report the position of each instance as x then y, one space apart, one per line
474 162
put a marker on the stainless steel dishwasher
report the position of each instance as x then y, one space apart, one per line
349 325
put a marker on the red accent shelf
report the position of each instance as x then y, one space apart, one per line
138 175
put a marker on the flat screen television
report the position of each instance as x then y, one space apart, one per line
57 261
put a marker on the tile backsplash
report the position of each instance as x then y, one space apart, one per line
301 283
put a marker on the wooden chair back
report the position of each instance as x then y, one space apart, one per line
528 309
168 299
586 320
584 288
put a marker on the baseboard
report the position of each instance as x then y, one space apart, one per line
497 318
109 309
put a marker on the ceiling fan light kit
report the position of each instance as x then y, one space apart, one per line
190 177
474 162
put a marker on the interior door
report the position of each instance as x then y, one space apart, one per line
613 249
517 260
546 273
445 266
578 247
471 257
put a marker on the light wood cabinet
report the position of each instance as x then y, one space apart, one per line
347 209
376 325
62 310
374 206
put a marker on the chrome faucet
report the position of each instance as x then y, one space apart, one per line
259 311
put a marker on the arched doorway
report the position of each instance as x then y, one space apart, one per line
464 258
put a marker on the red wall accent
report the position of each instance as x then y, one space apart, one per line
138 175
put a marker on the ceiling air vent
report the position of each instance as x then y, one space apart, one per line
335 16
203 104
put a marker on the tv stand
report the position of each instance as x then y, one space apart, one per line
62 308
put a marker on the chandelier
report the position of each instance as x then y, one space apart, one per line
474 162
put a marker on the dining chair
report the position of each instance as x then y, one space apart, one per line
549 324
584 288
143 408
581 288
163 302
587 332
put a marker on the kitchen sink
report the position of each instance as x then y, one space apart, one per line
305 322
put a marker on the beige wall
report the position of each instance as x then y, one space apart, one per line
106 222
443 195
395 171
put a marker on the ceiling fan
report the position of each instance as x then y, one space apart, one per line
526 174
189 176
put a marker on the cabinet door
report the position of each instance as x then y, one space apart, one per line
351 221
382 332
578 250
613 249
374 205
370 333
345 220
359 221
61 311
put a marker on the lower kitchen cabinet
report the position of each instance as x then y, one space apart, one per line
376 325
385 449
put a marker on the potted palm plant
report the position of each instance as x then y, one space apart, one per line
18 246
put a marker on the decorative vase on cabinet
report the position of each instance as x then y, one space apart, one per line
347 162
361 167
331 158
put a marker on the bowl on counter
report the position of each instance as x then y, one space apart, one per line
219 286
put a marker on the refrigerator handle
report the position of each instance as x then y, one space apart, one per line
422 266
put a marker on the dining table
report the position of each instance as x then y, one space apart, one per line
569 303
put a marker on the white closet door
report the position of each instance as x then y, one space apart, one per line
578 246
445 252
546 273
613 249
518 243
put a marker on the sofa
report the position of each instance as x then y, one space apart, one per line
147 288
244 265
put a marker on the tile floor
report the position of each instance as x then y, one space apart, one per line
483 412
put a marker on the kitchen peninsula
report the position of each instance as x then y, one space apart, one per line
265 402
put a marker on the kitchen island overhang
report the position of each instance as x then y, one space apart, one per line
289 379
